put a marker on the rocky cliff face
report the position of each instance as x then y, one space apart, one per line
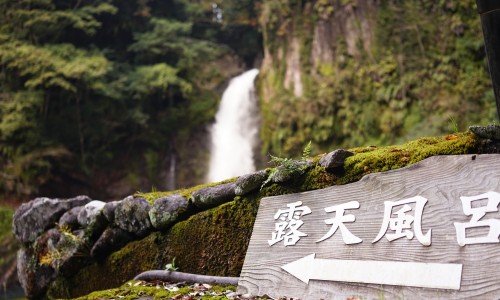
348 72
312 35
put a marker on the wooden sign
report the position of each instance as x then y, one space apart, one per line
430 230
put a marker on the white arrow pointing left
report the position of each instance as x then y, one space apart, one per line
428 275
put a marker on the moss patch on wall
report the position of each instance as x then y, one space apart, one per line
373 159
214 242
152 196
8 247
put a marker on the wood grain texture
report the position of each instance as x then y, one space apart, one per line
440 179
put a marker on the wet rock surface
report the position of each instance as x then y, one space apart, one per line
90 212
33 278
109 210
92 219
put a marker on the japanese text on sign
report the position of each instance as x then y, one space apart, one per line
400 219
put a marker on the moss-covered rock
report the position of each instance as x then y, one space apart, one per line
132 215
168 210
250 182
120 266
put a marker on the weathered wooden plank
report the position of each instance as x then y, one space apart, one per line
442 180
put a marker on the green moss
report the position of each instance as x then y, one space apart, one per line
6 215
214 242
373 159
318 178
152 196
59 289
133 290
8 246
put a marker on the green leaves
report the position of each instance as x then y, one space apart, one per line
44 20
147 80
101 77
53 65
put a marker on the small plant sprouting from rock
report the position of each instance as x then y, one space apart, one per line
53 257
171 266
288 166
65 248
453 125
306 153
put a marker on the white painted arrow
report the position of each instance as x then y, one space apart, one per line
428 275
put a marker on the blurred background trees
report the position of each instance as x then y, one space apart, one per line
87 87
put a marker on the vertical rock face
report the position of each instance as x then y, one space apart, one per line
304 44
353 24
313 34
293 78
364 72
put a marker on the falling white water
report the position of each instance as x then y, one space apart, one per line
235 132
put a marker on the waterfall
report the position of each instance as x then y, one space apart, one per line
235 132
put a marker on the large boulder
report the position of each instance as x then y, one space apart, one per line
132 215
213 196
40 214
168 210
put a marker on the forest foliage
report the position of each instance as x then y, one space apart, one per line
86 84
